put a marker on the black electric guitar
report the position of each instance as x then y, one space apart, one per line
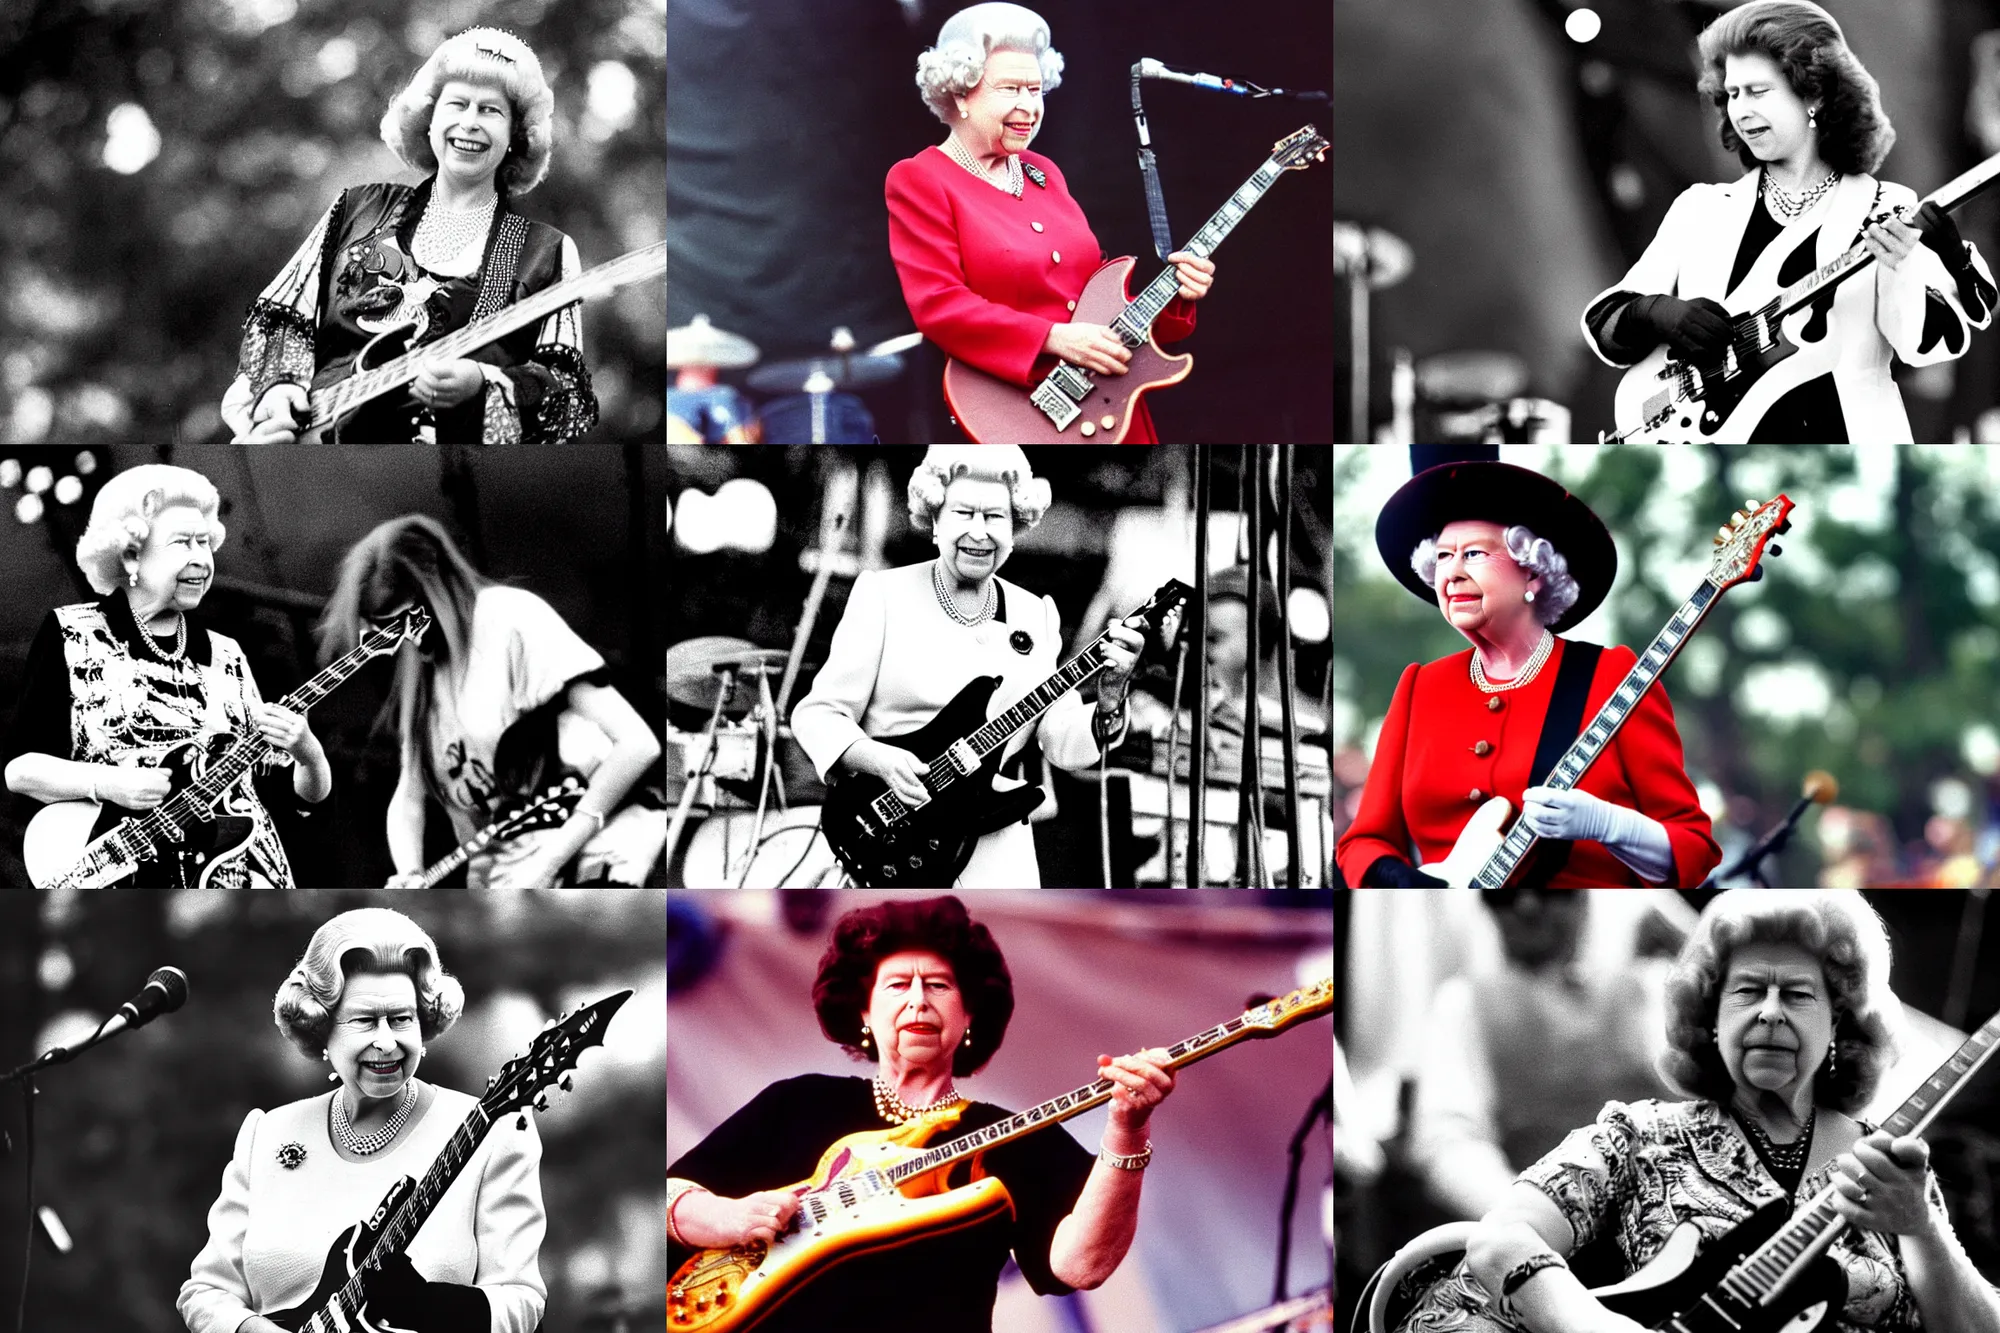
883 843
551 809
339 1303
207 821
1771 1271
1780 339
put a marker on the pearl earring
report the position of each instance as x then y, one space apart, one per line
968 1035
132 579
333 1077
1832 1059
965 113
1812 118
1528 596
865 1042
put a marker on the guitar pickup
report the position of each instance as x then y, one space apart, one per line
963 757
1059 393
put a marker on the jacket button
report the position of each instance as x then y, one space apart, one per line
1482 749
1493 704
1072 305
1056 255
1036 225
1476 796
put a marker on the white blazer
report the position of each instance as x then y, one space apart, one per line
897 658
1874 315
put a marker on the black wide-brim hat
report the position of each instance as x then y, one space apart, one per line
1504 494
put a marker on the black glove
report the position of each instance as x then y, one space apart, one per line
399 1295
1940 233
1696 329
1390 873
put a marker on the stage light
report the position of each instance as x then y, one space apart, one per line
1582 25
1308 616
69 490
749 515
28 509
699 527
10 472
40 479
86 463
130 140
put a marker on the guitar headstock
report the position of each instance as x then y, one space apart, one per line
1740 543
551 809
411 623
1165 611
1306 1002
1299 149
525 1080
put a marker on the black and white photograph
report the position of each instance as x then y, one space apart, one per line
336 1110
1726 221
856 692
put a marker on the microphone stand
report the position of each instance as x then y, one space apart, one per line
679 821
1769 845
1295 1155
1198 765
1286 683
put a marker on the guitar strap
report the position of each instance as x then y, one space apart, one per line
1560 727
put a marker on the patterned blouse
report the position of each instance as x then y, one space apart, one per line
1646 1167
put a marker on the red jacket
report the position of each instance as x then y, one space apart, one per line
986 275
1426 780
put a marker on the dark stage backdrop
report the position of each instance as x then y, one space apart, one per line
784 117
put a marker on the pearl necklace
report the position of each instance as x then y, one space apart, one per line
896 1111
1542 651
951 607
443 233
962 155
1787 1157
179 649
363 1145
1789 208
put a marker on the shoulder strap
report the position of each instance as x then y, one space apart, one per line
1560 727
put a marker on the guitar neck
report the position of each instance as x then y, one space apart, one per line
1136 319
459 856
1814 1227
402 1228
1583 752
1072 1103
1032 705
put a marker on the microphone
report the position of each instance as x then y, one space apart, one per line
165 991
1150 68
1819 788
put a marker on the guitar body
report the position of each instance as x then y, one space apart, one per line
848 1208
1681 1288
65 833
1664 400
991 410
1477 841
328 1309
929 846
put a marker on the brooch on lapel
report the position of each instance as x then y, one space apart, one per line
1022 644
1040 178
290 1155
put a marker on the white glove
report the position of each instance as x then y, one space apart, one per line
1638 840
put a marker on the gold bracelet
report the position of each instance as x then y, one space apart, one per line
676 1191
1135 1162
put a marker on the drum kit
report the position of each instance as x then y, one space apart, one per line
726 776
808 401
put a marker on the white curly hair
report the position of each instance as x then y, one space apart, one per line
954 66
121 518
1535 554
945 463
489 58
364 940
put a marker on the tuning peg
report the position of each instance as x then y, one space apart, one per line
1736 519
1776 549
1786 526
1722 534
567 1082
521 1120
1752 506
541 1101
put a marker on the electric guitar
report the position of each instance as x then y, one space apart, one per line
207 821
1067 404
883 843
551 809
882 1188
339 1304
1484 856
1780 340
1771 1271
330 404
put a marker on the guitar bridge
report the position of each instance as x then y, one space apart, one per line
1059 393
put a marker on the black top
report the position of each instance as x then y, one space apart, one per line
942 1284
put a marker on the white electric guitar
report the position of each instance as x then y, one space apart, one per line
1489 854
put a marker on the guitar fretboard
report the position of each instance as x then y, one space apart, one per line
1815 1225
1032 705
1583 752
1136 319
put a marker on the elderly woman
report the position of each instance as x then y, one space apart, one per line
1803 116
911 638
922 989
991 249
1778 1009
435 256
365 998
114 688
1510 557
500 700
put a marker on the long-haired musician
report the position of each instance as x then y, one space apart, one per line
991 248
500 699
1780 1026
1803 115
911 638
477 120
1510 557
366 998
112 687
922 990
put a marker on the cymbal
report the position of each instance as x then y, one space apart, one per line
895 345
1380 258
825 374
700 343
693 677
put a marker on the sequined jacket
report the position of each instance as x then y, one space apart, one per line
309 325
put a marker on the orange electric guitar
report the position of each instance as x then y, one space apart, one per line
882 1188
